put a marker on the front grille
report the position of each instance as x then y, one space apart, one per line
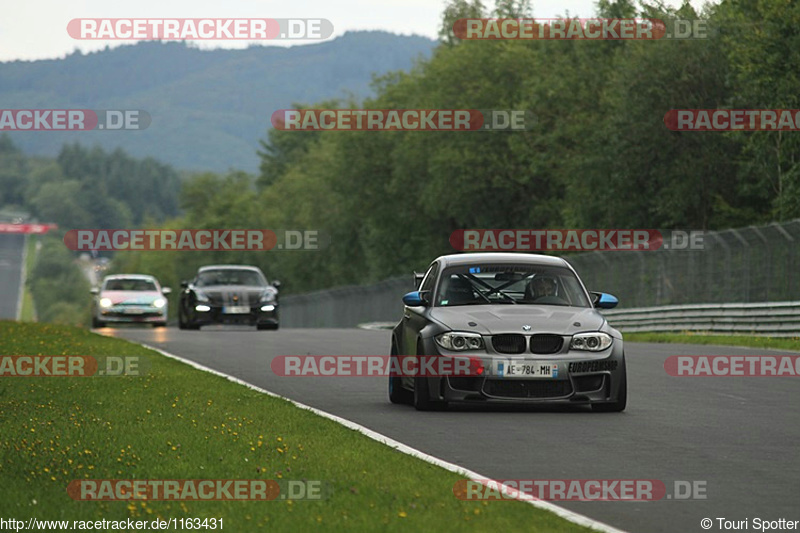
546 343
527 388
509 343
119 314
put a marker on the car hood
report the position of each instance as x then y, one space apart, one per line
131 297
233 294
509 318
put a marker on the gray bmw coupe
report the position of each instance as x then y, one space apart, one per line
526 323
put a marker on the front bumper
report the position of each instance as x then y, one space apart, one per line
255 317
578 377
132 314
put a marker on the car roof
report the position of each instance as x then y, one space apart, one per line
229 267
501 257
130 276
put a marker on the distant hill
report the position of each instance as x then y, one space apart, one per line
209 108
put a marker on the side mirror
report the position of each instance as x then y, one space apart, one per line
418 279
95 290
165 290
415 299
184 284
276 284
603 300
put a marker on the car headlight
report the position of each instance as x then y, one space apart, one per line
105 302
201 297
458 341
592 342
159 303
267 297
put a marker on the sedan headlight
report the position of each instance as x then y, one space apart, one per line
105 302
458 341
267 297
596 341
159 303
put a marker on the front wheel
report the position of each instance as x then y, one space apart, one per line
422 394
183 322
398 394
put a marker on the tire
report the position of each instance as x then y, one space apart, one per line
181 323
159 324
422 395
185 324
262 327
397 394
622 398
97 323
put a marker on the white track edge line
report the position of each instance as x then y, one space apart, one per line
570 516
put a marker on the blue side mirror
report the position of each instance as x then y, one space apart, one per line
413 299
607 301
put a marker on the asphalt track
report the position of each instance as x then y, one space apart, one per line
741 435
11 250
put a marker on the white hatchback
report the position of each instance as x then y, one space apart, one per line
130 298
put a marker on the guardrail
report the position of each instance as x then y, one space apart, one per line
347 307
380 304
776 319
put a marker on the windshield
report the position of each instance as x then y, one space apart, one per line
510 284
230 276
130 285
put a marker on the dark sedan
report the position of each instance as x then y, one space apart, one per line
229 294
527 327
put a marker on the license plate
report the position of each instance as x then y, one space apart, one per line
530 369
236 310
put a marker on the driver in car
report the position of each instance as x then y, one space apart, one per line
541 287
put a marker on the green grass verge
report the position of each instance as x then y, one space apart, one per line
176 422
28 311
775 343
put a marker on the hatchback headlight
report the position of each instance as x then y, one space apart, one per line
201 296
105 302
458 341
159 303
596 341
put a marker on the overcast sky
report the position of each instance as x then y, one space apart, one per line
37 29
